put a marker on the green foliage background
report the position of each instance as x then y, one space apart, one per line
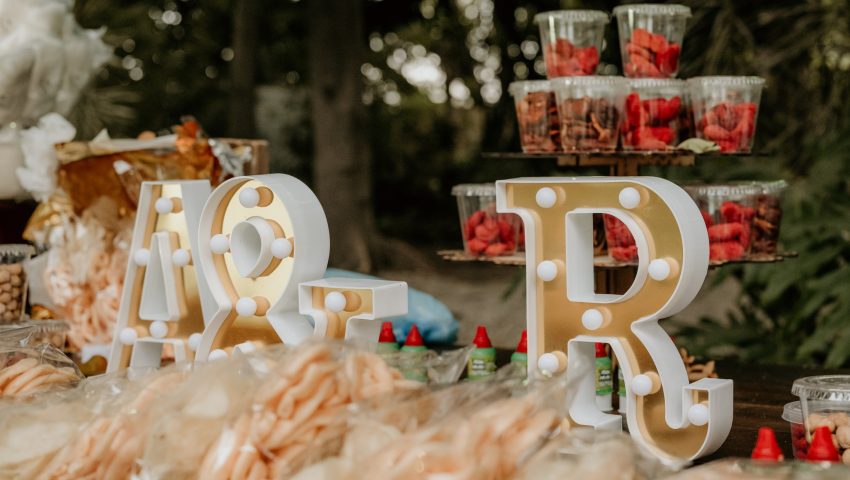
796 311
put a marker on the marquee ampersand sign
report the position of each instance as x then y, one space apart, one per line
565 316
259 238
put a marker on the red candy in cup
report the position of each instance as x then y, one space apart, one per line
654 110
727 211
725 110
651 38
621 243
571 41
485 232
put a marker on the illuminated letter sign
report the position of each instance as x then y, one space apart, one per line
565 316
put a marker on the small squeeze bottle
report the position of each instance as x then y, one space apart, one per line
387 343
482 360
412 353
604 379
520 355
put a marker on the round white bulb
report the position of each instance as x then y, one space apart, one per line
546 197
641 385
281 248
141 257
246 347
335 302
195 341
164 205
698 414
217 354
246 306
249 197
181 257
548 363
659 269
128 336
219 243
592 319
629 198
547 270
158 329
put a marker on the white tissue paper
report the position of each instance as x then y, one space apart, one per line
47 61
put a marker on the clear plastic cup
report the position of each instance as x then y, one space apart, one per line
651 38
591 111
728 212
13 281
486 232
726 110
537 116
655 108
571 41
621 243
824 401
768 216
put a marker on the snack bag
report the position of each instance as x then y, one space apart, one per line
25 371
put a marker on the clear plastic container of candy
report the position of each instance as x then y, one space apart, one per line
571 41
486 232
655 109
621 243
13 281
768 216
824 401
590 110
728 212
537 116
651 38
726 109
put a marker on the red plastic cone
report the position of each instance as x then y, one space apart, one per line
482 340
767 448
822 449
414 339
600 350
387 334
522 346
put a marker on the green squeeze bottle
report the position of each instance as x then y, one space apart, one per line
520 355
604 379
482 360
387 344
412 353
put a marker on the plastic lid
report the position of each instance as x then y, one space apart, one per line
387 335
723 190
528 86
727 80
600 350
474 190
772 187
522 346
573 16
15 252
482 340
823 387
822 449
767 448
653 9
793 412
656 82
606 80
414 338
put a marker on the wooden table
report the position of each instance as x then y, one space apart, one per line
761 391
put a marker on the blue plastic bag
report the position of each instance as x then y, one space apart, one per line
435 321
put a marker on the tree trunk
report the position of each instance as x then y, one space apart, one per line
243 69
342 164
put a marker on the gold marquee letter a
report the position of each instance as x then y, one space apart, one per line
565 316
